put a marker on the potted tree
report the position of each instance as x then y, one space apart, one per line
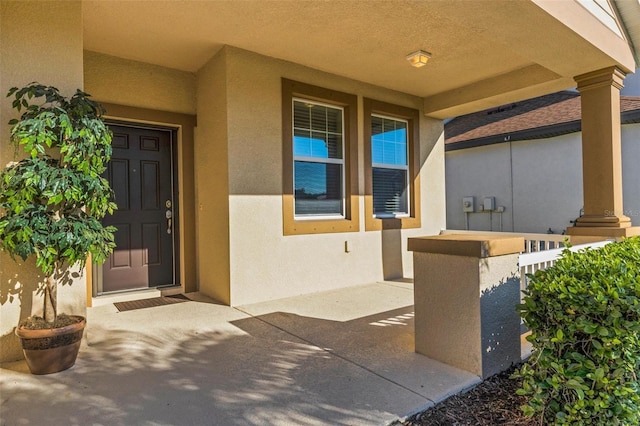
51 203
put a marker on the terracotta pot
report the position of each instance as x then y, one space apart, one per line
53 349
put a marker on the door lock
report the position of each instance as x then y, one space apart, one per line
169 215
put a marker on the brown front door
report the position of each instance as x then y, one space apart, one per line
140 173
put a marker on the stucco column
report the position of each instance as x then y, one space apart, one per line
602 156
466 288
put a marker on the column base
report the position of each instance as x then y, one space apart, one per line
603 221
603 231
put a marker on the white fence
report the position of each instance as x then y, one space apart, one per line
540 251
532 262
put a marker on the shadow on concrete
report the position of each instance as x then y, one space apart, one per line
273 369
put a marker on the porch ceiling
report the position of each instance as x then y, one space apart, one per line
483 53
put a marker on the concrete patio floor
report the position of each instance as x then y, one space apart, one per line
342 357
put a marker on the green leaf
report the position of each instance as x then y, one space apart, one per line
41 198
599 373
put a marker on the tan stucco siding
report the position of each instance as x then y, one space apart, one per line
212 181
576 17
28 54
121 81
265 264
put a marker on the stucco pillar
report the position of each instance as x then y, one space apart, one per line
602 156
33 49
466 288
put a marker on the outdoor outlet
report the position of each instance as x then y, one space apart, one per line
467 204
500 209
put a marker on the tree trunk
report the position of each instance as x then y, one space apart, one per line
50 312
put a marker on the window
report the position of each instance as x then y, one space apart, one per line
319 160
390 166
392 179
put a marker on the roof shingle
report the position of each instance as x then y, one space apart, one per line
540 117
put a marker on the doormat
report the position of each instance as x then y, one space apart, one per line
150 303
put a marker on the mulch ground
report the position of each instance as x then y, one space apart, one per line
492 402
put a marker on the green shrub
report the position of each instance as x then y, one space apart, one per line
584 317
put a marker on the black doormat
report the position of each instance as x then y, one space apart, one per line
150 303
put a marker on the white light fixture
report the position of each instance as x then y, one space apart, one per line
419 58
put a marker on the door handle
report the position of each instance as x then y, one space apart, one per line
168 214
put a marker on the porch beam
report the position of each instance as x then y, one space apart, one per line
502 89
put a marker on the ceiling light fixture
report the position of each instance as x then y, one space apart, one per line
419 58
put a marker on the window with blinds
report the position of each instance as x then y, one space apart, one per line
319 160
318 156
390 166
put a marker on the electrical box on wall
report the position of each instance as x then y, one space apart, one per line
489 204
467 204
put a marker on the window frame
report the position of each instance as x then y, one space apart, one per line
405 167
349 222
321 160
411 116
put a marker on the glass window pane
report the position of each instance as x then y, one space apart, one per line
390 191
319 118
334 120
388 153
318 131
376 149
319 145
376 125
388 125
388 141
301 115
401 154
334 146
318 188
301 142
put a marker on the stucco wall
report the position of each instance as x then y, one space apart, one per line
120 81
547 182
631 172
631 84
264 263
485 173
212 181
50 57
546 175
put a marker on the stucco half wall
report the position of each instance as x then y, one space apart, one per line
239 118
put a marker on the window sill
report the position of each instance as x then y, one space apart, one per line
320 226
383 223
